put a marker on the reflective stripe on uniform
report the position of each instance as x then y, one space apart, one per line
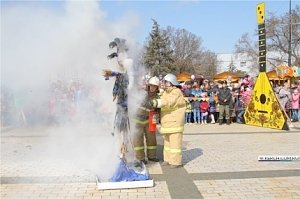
151 147
144 109
171 129
167 149
175 151
138 148
141 122
169 109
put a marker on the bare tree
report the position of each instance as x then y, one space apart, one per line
189 55
278 37
246 46
277 33
206 64
186 46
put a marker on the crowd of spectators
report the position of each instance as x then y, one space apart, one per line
203 104
62 102
70 101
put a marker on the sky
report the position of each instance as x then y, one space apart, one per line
219 23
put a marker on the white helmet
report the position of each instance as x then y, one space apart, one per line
171 78
154 81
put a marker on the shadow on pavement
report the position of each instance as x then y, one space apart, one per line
191 154
159 151
187 155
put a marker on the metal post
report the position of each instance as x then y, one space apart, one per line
290 36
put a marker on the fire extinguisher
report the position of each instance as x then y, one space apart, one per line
153 120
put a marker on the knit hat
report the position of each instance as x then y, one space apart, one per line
203 95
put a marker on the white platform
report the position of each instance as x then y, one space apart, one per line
124 184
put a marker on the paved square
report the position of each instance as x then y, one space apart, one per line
219 162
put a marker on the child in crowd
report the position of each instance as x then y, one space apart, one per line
248 81
212 107
188 91
204 107
196 110
196 91
295 105
188 110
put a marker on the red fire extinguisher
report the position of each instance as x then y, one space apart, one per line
153 120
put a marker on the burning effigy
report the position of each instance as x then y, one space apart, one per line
127 175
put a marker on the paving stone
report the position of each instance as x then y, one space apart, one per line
226 155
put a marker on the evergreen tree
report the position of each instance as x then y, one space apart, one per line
158 56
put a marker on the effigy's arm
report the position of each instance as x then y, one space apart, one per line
109 73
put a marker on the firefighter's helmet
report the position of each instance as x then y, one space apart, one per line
171 78
154 81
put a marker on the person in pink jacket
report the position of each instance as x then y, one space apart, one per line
295 105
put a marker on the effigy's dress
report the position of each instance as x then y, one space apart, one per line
120 91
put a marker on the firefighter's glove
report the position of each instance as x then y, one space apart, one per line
109 73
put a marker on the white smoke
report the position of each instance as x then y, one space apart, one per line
42 46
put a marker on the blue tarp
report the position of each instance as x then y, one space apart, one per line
124 173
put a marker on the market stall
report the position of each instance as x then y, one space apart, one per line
228 76
182 77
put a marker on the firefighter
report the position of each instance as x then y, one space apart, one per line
142 120
172 113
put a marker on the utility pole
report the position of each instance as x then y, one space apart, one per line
290 37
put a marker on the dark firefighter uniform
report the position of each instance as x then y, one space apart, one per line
142 131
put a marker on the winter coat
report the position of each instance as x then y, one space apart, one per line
188 107
215 89
238 104
192 104
188 92
196 104
295 100
246 97
204 106
224 93
212 105
284 96
196 93
173 107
